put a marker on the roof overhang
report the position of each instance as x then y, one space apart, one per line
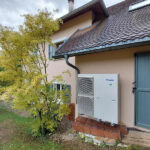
109 47
97 6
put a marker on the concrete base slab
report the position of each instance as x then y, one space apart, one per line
137 138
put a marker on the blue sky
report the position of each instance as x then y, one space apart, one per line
11 10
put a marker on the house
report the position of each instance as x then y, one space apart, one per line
114 40
76 19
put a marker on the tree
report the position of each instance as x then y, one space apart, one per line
23 55
3 83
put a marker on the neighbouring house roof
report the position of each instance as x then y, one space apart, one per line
122 28
96 6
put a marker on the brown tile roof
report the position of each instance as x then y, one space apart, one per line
119 27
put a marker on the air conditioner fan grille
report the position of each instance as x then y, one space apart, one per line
85 86
86 106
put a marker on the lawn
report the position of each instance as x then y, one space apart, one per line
15 134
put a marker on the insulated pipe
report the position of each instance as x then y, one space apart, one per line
71 65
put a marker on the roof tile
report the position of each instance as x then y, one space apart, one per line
118 27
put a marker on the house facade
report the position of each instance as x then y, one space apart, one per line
55 66
115 41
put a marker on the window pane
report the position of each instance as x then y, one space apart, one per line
50 51
58 87
59 44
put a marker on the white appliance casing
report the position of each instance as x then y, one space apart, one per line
103 104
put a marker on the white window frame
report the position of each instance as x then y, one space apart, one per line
58 83
139 5
55 87
54 49
58 41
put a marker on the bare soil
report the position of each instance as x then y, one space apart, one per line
6 131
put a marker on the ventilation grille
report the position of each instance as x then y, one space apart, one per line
85 97
86 105
85 86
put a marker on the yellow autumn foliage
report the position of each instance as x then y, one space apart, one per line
23 55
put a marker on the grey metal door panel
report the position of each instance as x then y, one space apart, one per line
142 74
143 109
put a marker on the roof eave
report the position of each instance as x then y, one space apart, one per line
82 8
109 47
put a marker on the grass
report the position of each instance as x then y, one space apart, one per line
20 145
6 115
21 138
15 134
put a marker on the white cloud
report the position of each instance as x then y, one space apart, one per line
11 10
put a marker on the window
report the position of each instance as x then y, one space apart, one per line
59 87
139 5
52 49
59 44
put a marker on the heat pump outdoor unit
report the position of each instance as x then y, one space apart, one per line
98 96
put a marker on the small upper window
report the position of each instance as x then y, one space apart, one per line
139 5
59 44
52 49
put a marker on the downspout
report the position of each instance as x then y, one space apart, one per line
74 67
71 65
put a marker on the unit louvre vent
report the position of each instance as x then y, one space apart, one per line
85 87
86 105
86 96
